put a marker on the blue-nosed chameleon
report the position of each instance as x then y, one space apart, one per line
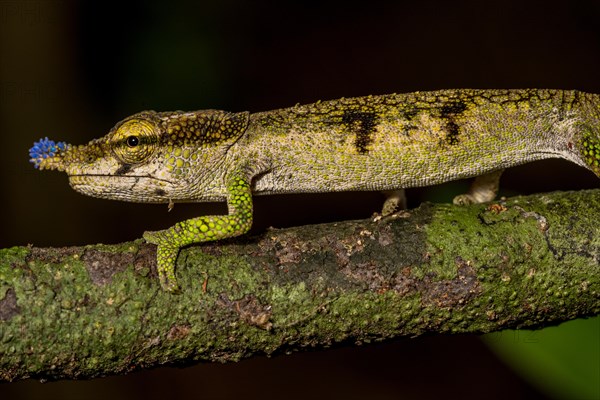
383 143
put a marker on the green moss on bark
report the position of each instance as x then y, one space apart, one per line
96 310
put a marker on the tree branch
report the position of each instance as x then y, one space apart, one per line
96 310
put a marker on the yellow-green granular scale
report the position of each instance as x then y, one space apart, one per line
591 150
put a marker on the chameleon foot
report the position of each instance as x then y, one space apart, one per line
483 189
464 200
390 217
166 255
394 206
395 200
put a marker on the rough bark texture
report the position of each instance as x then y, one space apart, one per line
88 311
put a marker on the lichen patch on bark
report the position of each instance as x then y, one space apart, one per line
452 292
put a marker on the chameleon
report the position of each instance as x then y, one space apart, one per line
372 143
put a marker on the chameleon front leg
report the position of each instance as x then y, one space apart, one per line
484 188
203 229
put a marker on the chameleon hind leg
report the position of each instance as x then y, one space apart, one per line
395 202
484 188
202 229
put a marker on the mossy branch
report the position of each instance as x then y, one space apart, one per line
96 310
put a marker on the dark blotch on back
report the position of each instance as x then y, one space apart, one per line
449 112
409 112
363 125
452 109
452 132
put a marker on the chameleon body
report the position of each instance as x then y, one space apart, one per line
384 143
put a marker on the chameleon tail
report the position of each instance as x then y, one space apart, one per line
47 154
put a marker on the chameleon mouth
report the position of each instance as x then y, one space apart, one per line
138 189
84 179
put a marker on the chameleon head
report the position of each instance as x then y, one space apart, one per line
148 157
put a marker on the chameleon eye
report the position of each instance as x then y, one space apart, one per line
134 141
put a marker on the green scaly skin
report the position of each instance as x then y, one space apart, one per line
385 143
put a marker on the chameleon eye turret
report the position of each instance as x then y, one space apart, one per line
384 143
135 141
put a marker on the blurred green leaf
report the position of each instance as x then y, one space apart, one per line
562 361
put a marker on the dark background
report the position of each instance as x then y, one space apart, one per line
70 70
